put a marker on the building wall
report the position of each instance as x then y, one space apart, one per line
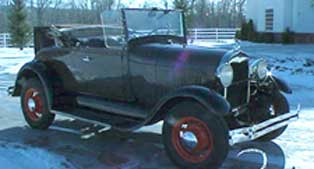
303 16
288 14
298 15
256 11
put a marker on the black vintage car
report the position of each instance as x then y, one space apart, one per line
136 69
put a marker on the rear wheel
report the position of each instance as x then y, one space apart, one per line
195 137
35 105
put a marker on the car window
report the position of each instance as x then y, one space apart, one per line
114 36
113 28
91 36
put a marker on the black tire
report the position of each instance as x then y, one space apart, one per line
200 118
38 115
280 106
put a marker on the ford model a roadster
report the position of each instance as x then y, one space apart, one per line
136 69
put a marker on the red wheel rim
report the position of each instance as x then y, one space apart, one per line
199 131
33 104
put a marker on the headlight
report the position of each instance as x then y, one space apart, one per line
225 74
262 69
259 69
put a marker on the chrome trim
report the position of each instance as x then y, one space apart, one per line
248 99
105 125
256 131
31 104
240 59
226 93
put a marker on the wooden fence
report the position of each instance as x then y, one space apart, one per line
212 33
203 34
5 40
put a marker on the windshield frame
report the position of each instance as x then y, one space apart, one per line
124 20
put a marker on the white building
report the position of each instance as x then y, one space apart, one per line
275 16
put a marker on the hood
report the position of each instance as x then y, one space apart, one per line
166 53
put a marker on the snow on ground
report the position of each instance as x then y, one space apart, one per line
11 60
297 141
18 156
212 43
294 63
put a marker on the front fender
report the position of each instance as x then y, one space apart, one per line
37 70
211 100
281 85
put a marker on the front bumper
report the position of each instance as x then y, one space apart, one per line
10 90
256 131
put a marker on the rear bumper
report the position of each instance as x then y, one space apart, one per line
256 131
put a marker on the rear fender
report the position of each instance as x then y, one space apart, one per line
34 70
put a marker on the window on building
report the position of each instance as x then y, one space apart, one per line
269 19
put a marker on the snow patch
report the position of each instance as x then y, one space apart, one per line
17 156
12 59
213 43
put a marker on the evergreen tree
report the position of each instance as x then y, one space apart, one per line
18 26
251 34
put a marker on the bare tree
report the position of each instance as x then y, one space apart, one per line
118 4
240 4
166 4
4 2
187 6
101 5
41 6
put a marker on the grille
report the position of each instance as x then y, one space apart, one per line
238 91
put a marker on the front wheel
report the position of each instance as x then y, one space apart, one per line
194 137
34 105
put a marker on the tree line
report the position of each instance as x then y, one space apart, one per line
199 13
19 16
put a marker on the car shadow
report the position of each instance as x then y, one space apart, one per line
87 146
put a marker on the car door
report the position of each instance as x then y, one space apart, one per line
142 72
102 70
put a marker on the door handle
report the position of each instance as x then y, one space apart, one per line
86 59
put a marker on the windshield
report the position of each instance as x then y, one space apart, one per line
153 22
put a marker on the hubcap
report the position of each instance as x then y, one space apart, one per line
33 104
192 139
189 139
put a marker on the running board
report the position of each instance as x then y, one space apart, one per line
122 109
105 125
